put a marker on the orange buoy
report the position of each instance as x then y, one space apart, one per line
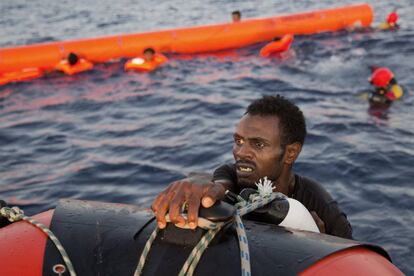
186 40
140 64
278 46
81 66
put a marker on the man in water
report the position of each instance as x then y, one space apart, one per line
236 16
386 89
267 141
149 54
149 61
391 23
73 64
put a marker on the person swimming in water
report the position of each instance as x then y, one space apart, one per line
73 64
391 22
236 16
149 61
386 89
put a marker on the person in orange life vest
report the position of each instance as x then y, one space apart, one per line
148 62
73 65
278 45
236 16
386 88
391 22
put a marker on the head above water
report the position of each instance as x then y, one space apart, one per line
73 58
236 16
392 17
149 53
381 77
267 140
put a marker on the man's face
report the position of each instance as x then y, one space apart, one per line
235 17
257 149
149 56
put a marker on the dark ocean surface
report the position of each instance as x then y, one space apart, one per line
122 137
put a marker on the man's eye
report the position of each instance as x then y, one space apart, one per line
238 141
259 145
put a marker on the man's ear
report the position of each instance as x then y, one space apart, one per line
292 152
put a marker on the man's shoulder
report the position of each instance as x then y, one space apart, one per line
307 186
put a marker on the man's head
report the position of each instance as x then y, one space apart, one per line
268 139
73 59
392 18
149 54
236 16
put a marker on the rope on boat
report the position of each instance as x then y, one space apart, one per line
15 214
243 207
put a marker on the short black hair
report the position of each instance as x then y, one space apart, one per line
236 13
73 58
291 119
149 50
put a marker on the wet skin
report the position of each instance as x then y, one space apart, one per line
257 149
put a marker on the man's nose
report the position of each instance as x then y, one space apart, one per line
244 152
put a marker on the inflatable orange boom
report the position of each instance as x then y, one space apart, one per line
185 40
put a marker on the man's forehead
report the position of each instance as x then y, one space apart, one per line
260 124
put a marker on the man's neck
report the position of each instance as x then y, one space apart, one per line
286 184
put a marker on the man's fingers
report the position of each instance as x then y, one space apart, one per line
160 214
212 194
161 197
192 212
157 201
175 209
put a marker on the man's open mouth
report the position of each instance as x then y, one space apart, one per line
244 169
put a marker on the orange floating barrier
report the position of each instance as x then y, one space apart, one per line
81 66
186 40
20 75
140 64
278 46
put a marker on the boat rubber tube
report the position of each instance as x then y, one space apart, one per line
107 239
22 247
186 40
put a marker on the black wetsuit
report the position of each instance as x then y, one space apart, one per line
311 195
378 98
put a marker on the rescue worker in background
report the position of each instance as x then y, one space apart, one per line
386 89
391 22
236 16
147 63
73 64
